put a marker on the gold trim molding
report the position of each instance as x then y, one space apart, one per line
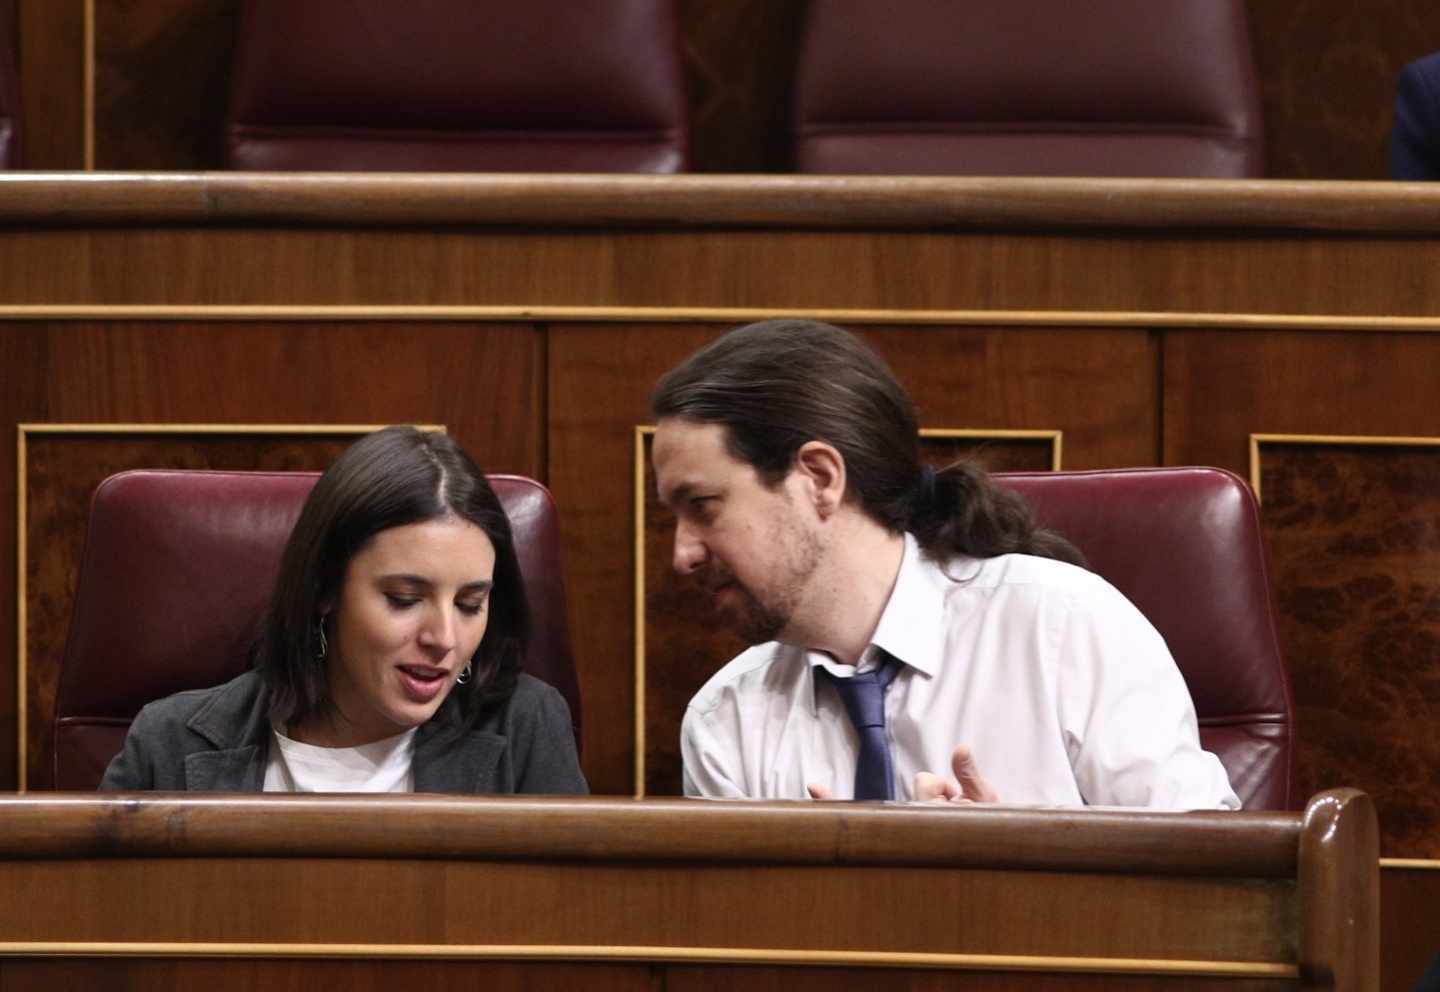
1140 320
677 955
26 430
1358 440
642 431
1411 864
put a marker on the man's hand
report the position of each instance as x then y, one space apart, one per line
820 793
969 785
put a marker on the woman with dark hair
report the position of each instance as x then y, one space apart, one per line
389 657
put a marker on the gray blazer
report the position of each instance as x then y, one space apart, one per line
218 740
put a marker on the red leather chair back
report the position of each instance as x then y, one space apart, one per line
458 86
1038 87
1184 545
177 570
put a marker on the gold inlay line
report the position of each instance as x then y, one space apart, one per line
640 953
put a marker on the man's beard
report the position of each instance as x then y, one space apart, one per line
762 616
755 622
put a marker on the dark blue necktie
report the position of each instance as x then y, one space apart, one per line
864 697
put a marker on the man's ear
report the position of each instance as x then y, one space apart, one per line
823 467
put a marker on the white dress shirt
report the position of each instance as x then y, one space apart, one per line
1064 692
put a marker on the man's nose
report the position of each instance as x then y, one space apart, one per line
690 551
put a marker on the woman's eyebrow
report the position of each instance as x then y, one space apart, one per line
479 585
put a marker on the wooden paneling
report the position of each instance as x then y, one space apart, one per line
1354 534
52 82
1409 931
719 884
599 390
1219 388
143 119
290 975
1327 71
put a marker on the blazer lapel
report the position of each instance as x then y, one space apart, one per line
469 765
237 724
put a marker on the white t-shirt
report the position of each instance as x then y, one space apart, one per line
380 766
1064 692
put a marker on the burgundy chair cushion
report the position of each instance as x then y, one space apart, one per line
1047 87
1184 545
455 85
177 570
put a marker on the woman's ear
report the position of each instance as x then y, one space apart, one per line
823 467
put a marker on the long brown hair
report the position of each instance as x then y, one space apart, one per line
778 384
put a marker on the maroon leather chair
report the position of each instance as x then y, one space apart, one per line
1028 87
458 86
1184 545
177 569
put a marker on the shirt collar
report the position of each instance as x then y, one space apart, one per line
910 628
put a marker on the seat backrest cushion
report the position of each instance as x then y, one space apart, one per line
455 85
1048 87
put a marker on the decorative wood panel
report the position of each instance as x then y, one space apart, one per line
1354 530
682 643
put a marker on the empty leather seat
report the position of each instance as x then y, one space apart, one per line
1028 87
455 85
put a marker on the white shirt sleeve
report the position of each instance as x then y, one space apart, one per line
1126 714
710 760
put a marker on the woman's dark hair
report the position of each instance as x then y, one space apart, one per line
394 477
778 384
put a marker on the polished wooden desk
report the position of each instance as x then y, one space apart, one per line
287 890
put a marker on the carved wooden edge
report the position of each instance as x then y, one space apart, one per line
716 201
1339 879
67 825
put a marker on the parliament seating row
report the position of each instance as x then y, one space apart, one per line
1184 544
1112 88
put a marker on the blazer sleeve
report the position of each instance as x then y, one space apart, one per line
546 762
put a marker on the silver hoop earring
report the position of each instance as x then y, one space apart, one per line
324 647
464 675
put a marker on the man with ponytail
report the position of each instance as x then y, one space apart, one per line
916 635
